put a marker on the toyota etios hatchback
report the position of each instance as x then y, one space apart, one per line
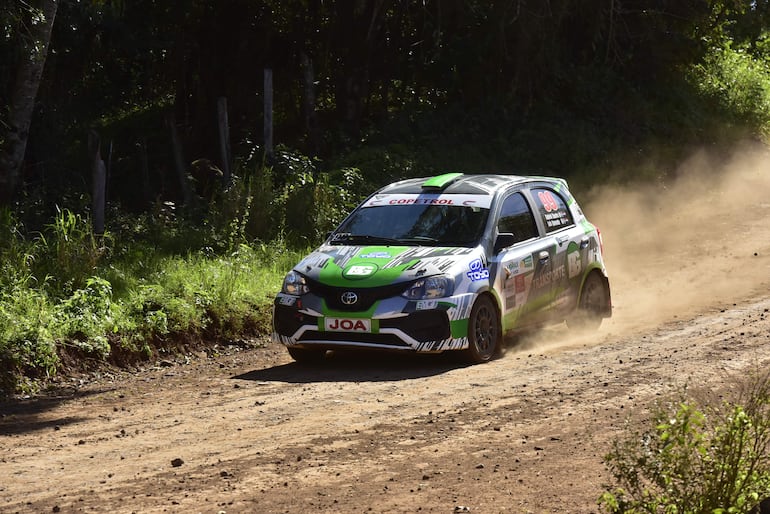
446 263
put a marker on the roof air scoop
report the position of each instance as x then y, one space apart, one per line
440 182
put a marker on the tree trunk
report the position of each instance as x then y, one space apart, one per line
28 73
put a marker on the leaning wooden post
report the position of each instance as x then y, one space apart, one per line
176 147
99 171
144 168
224 139
308 101
268 121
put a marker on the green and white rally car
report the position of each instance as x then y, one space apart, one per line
450 262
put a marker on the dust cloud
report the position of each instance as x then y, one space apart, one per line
700 242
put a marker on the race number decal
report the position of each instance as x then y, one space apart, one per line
359 271
549 202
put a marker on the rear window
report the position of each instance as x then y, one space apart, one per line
553 209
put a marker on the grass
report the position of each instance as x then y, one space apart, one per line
67 293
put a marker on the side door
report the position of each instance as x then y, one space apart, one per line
523 300
565 240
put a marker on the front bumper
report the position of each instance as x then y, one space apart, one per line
390 324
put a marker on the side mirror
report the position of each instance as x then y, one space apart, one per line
504 240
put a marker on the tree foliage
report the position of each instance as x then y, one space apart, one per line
119 66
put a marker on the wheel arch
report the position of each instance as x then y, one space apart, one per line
497 303
599 272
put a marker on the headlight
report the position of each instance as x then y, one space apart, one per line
430 287
294 284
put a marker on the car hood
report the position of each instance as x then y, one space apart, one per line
374 266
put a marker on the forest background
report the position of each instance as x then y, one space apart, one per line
231 136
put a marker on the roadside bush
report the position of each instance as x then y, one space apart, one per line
26 341
308 203
698 457
68 252
85 318
738 81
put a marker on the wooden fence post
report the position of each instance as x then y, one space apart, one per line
268 120
181 172
141 145
99 173
224 139
308 101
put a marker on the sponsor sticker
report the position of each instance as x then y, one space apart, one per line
519 284
423 305
479 201
574 264
357 325
287 300
376 255
477 271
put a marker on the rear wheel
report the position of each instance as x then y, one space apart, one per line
484 331
592 305
305 355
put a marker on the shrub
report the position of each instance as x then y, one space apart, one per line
738 81
698 457
26 341
86 317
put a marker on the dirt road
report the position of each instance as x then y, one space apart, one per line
249 431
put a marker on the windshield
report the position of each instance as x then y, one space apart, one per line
431 225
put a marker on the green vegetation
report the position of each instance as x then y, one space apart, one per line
157 282
365 93
697 457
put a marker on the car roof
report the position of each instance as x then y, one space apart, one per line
459 183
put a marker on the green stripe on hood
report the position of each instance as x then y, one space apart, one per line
369 268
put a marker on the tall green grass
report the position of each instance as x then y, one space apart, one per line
66 292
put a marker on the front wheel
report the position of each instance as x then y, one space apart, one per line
592 305
484 331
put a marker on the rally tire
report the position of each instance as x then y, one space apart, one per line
306 355
591 306
484 331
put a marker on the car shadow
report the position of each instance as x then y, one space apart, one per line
358 366
20 416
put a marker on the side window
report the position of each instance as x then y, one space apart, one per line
553 209
516 218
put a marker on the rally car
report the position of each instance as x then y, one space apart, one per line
450 262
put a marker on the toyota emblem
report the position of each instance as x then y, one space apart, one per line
349 298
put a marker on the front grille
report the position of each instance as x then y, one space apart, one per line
422 325
367 296
378 339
